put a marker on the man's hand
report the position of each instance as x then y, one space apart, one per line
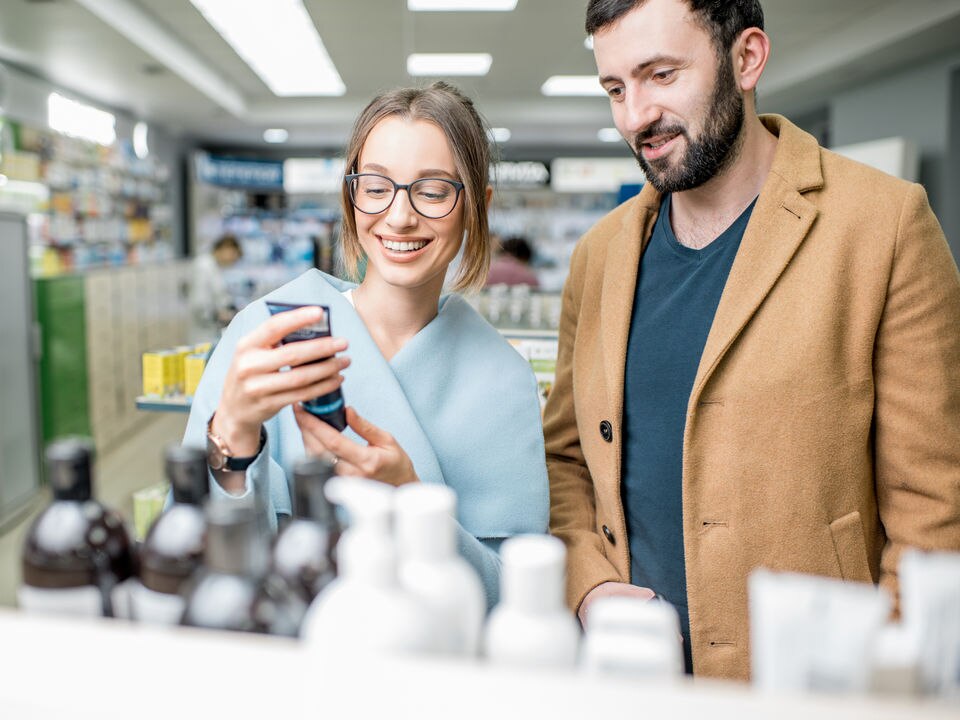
612 589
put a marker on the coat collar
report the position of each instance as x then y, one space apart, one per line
780 221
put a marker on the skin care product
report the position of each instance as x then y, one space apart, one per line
77 555
433 571
222 593
532 625
365 610
813 634
330 407
303 553
173 549
930 602
633 638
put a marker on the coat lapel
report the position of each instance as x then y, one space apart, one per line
619 284
780 221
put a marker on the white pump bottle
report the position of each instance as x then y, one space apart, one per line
433 571
532 625
364 609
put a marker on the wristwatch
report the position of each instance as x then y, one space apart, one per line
219 456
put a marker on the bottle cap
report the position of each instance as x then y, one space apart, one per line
234 543
69 468
186 469
533 572
425 521
310 476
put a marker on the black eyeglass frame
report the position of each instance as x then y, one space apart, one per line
397 187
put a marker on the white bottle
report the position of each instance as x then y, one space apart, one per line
364 609
532 625
634 638
433 571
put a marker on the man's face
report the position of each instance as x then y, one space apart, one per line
677 105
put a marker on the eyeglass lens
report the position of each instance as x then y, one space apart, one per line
431 197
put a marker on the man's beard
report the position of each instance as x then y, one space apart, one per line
707 155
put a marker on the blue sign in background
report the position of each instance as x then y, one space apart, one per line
231 172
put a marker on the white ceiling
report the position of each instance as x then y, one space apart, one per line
159 59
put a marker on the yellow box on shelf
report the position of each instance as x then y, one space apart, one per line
159 373
193 366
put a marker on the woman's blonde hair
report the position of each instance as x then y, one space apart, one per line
453 112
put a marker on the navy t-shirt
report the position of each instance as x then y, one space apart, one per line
676 299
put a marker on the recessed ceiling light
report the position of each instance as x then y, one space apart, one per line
78 120
500 135
275 135
441 64
279 41
609 134
588 42
461 5
572 85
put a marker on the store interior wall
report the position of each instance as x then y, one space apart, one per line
914 104
25 100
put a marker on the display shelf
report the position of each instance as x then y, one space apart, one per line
170 403
56 667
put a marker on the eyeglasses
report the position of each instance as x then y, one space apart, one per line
433 198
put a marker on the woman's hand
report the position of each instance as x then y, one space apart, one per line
382 459
254 389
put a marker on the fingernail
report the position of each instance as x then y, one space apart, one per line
339 344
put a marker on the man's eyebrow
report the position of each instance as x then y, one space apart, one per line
639 68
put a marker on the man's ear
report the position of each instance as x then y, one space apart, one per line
750 54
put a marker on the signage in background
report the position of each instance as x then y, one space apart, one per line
520 174
304 176
236 173
571 175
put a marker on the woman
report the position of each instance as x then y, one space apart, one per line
420 369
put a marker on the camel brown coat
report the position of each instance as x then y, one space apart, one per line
823 430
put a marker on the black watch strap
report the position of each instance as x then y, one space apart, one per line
237 464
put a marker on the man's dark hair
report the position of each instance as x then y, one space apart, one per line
723 19
518 247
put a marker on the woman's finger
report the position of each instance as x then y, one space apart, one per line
305 376
275 328
367 430
335 442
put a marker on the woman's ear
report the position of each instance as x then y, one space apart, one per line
489 194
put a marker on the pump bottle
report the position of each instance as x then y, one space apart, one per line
532 625
173 548
76 556
433 571
365 609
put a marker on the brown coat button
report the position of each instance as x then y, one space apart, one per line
606 431
608 534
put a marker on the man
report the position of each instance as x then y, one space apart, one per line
759 355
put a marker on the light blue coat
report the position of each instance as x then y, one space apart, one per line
459 400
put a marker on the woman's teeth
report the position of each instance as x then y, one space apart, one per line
403 246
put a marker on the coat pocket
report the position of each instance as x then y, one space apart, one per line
851 548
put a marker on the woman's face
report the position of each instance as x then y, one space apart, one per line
404 248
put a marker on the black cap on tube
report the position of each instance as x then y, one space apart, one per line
69 468
310 475
186 468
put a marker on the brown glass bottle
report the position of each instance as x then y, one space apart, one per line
173 548
302 561
222 593
77 552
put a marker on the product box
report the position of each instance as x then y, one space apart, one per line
182 352
193 366
159 373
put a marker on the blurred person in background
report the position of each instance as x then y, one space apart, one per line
511 264
422 365
759 359
211 304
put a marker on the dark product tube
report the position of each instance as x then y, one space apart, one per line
330 407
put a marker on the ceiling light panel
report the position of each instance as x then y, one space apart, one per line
279 41
447 64
461 5
572 85
79 120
